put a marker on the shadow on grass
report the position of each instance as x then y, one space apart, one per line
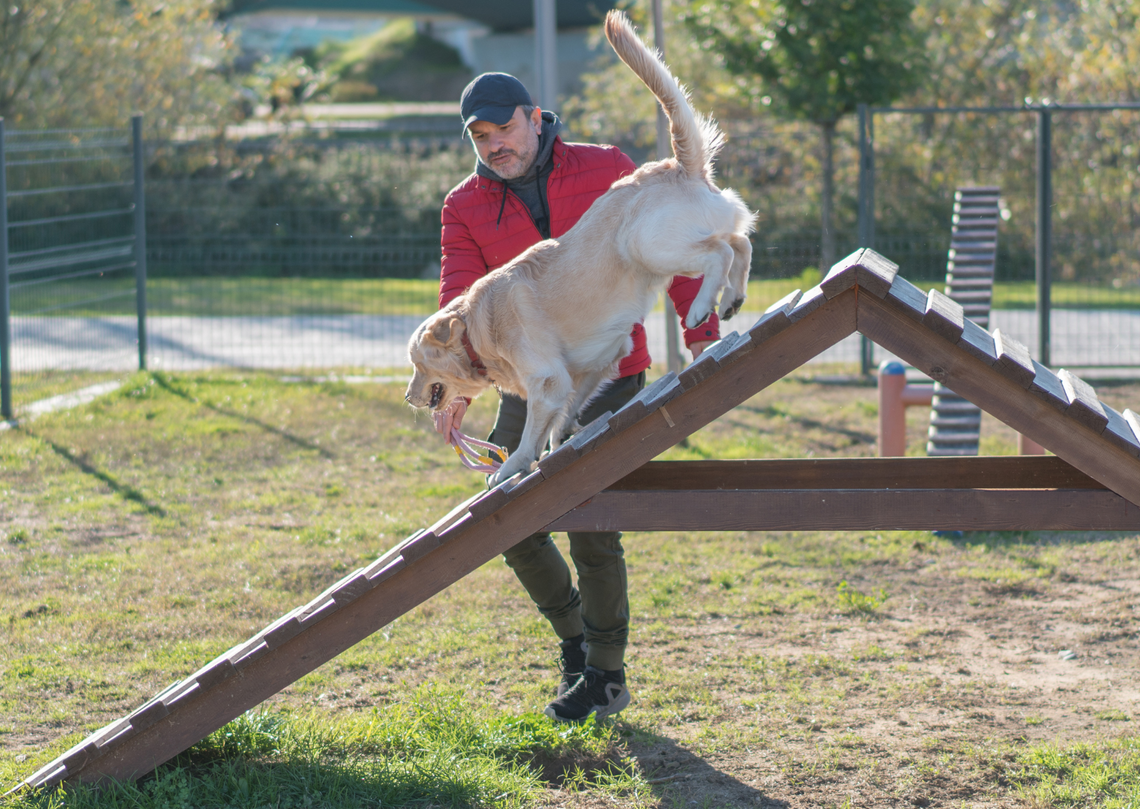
777 412
679 777
170 387
674 775
289 784
646 763
121 489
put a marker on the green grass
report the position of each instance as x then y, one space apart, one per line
148 531
856 602
279 297
1089 775
436 749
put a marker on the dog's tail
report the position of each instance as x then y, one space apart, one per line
696 140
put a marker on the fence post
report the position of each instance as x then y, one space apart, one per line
546 53
5 301
866 211
1044 229
140 235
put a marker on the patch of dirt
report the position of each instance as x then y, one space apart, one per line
965 667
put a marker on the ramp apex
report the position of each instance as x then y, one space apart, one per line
871 271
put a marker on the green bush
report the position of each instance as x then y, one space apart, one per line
300 207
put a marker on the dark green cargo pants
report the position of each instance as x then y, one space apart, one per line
599 605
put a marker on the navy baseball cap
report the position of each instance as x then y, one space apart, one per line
492 97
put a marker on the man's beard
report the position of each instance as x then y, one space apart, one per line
517 167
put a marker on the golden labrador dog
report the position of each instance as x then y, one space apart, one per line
552 325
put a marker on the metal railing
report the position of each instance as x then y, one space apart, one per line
1006 169
289 254
72 238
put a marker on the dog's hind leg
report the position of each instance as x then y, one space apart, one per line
737 287
715 258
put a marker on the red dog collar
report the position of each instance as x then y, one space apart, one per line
476 363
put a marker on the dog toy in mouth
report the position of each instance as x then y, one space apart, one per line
464 446
436 395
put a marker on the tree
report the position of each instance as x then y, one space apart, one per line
816 60
94 63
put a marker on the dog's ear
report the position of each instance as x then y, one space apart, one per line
447 330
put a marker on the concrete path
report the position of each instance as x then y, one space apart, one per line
1080 339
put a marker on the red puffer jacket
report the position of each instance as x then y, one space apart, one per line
475 241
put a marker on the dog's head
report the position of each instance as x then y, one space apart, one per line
443 370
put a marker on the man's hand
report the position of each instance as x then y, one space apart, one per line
449 418
700 346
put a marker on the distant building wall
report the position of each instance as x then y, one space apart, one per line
514 53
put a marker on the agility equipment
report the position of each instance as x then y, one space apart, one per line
956 422
603 479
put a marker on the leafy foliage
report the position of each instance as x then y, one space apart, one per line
817 58
95 63
297 207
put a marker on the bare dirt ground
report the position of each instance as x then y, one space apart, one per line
968 670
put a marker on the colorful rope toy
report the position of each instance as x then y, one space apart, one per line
465 448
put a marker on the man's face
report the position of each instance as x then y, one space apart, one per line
510 149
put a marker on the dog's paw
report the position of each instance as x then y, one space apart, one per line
695 318
495 478
730 309
512 467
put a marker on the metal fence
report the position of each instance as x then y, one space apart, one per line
72 256
321 251
1068 266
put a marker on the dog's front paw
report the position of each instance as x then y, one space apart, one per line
730 309
512 467
696 318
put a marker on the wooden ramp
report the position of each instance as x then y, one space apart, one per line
955 422
601 479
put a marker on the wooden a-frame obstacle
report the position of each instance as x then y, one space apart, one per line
603 479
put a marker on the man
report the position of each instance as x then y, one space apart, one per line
529 185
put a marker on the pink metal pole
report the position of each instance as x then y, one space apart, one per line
895 396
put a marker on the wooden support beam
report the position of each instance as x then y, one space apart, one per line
971 472
854 510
